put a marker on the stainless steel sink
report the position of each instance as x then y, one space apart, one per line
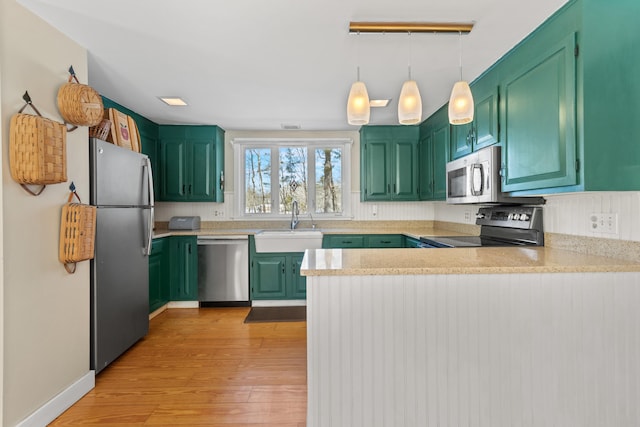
288 240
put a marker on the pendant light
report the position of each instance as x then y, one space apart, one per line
461 100
358 107
410 102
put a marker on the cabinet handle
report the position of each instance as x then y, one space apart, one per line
183 189
347 242
189 189
385 242
283 270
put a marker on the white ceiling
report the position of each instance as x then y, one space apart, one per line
259 64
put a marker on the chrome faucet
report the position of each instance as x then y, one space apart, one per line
294 214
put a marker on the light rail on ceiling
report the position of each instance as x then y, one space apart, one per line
410 27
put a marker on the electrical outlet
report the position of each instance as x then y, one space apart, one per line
467 216
218 213
606 223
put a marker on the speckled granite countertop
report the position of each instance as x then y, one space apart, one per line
356 262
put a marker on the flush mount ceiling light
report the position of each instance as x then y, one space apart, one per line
174 101
379 102
461 101
410 102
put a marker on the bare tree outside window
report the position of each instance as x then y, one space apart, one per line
328 180
258 180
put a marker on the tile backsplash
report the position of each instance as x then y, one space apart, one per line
563 213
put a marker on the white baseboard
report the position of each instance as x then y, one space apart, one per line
60 403
278 303
158 311
183 304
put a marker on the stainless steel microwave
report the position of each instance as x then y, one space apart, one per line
476 178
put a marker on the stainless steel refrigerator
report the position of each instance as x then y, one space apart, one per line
122 190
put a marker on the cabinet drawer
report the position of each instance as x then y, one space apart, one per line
343 241
384 241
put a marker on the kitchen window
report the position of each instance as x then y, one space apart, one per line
273 173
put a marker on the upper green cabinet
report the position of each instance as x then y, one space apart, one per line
483 130
539 149
191 163
433 155
389 163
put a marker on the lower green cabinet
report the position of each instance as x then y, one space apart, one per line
159 274
338 241
359 241
184 268
277 276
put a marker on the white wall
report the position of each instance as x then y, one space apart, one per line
46 310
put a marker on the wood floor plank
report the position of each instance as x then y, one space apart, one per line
202 367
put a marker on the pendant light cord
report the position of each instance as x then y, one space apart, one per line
409 65
460 50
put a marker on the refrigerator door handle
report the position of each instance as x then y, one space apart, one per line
147 166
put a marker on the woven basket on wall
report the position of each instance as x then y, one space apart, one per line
79 104
37 150
77 233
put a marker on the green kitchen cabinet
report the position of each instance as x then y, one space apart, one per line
384 241
360 241
389 163
191 163
340 241
159 274
433 155
540 146
269 276
483 130
275 276
183 268
298 282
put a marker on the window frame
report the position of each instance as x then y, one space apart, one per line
240 145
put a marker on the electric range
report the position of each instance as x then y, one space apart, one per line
499 226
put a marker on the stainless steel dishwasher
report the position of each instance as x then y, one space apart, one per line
223 271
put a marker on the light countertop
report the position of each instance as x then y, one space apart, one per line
488 260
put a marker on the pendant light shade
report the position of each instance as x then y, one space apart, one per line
410 104
461 104
461 99
358 108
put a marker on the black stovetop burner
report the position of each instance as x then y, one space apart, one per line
500 226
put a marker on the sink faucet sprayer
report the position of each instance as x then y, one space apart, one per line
294 214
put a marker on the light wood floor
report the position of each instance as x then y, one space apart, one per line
203 367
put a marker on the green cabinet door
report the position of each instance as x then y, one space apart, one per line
461 140
434 154
338 241
184 268
376 174
202 171
297 282
384 241
159 274
389 163
269 277
441 137
405 157
191 163
485 122
173 161
539 147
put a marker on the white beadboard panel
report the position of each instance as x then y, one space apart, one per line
569 213
474 350
386 211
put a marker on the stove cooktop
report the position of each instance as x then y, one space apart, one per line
465 242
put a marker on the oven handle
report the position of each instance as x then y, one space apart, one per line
475 191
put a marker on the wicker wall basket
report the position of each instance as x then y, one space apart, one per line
79 104
37 151
77 234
